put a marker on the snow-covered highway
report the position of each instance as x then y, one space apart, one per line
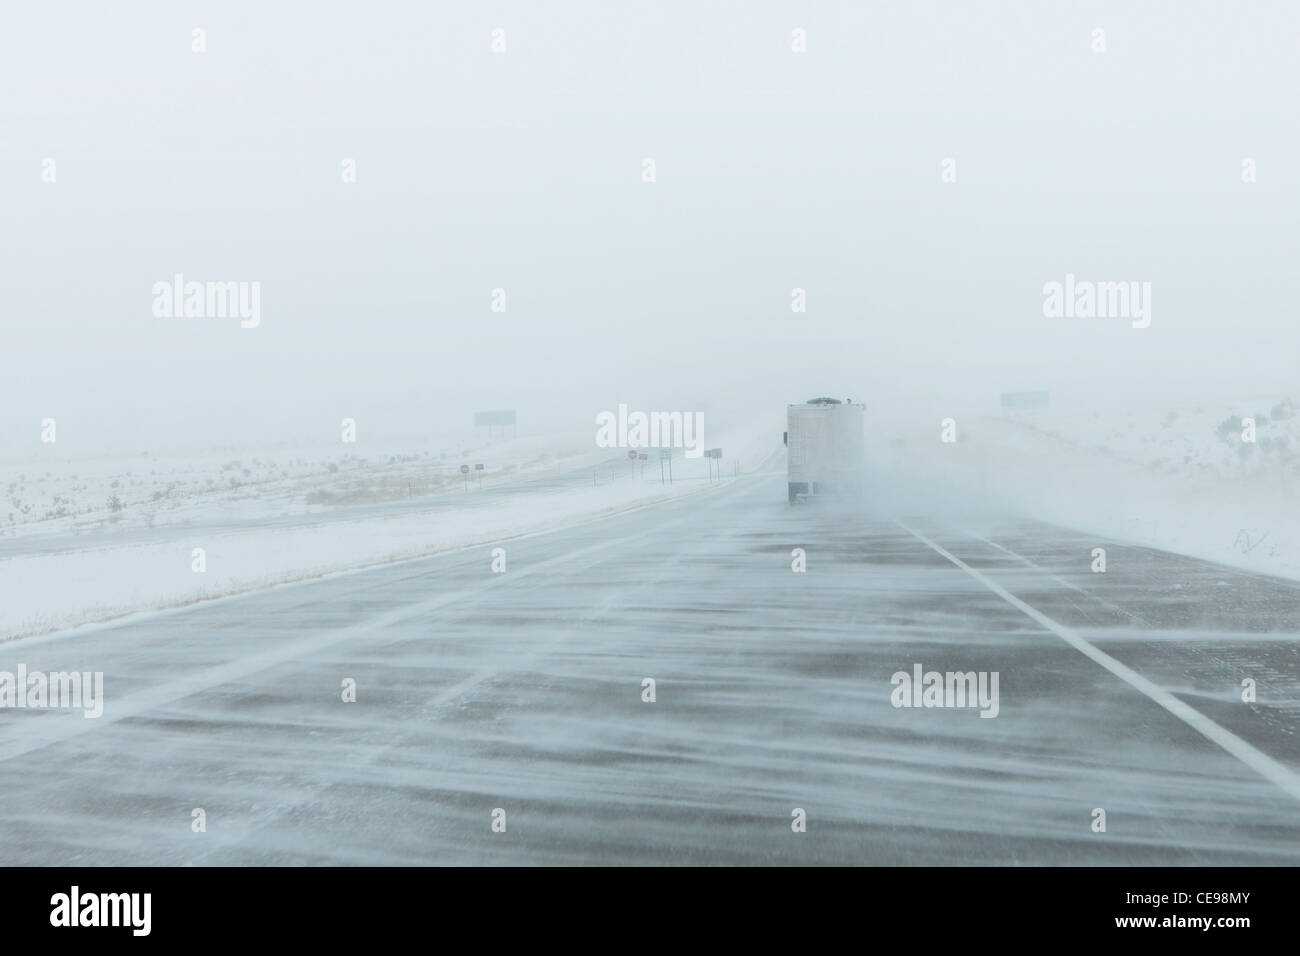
524 691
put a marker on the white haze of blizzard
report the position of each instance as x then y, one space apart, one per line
521 171
1163 476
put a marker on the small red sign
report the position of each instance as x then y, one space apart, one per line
464 469
631 454
478 467
643 457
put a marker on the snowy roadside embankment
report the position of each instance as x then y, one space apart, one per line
76 493
1175 478
89 579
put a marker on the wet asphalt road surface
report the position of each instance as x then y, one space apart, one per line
523 691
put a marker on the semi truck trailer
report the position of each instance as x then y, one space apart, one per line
825 444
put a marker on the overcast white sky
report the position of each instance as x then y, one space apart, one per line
522 170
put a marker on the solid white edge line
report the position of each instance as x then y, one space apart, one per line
1255 759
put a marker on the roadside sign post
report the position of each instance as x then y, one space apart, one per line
493 420
478 473
642 457
464 470
712 454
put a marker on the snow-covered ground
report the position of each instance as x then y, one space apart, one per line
93 540
59 493
1174 476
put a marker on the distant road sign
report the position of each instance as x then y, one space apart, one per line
631 454
496 422
478 467
643 457
713 453
464 469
